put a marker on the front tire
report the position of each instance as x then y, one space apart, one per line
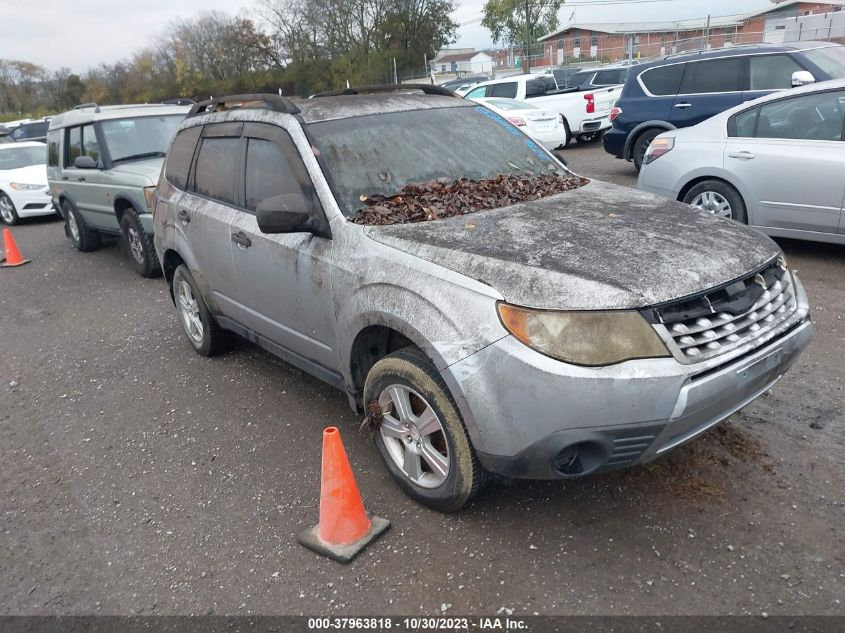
422 438
205 336
641 145
139 245
718 198
83 238
8 213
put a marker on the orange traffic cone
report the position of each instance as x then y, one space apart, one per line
345 528
13 255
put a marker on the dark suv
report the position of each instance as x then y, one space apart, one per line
683 90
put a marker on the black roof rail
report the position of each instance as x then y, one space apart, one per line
702 51
272 102
362 90
87 105
179 101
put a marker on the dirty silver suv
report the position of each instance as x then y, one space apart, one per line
562 336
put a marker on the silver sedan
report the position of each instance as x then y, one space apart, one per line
776 163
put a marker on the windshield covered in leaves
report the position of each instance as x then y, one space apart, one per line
379 154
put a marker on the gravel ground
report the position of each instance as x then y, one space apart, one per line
140 478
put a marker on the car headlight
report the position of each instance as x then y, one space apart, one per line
658 148
20 186
148 196
584 338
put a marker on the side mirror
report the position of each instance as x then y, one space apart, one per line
802 78
287 213
85 162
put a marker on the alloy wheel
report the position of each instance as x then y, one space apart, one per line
189 311
73 226
135 245
414 436
6 210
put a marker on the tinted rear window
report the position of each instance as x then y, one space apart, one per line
506 90
664 80
179 159
715 75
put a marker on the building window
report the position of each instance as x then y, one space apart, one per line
577 40
594 40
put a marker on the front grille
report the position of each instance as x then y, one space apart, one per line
727 317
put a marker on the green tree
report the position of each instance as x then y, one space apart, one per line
521 22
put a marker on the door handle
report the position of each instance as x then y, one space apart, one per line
65 178
184 216
744 155
683 106
241 239
80 179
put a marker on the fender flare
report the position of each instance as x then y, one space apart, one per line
628 152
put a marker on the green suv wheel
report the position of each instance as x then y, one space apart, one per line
83 238
139 245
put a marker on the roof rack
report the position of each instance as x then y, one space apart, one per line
272 102
699 51
179 101
91 104
362 90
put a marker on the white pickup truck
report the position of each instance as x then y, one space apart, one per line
586 113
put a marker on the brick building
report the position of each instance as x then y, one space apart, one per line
612 41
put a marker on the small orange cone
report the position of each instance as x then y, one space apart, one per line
13 255
345 528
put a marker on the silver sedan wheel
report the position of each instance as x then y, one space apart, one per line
189 311
713 202
414 436
135 245
6 210
73 226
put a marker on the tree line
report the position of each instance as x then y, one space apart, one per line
298 46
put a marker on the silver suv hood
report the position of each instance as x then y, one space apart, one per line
599 247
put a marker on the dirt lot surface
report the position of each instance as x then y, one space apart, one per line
138 477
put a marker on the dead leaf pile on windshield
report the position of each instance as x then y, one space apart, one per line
444 198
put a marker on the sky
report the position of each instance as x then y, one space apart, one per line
81 34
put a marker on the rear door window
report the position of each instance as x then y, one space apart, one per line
608 78
506 89
772 72
217 168
178 164
715 75
476 93
664 80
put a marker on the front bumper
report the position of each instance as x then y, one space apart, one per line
532 417
30 204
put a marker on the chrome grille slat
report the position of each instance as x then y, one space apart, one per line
696 338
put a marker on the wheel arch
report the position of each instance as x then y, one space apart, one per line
634 135
122 204
170 262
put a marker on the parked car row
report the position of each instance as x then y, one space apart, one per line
619 323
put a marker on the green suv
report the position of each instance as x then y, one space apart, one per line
103 165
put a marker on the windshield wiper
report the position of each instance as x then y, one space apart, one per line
139 156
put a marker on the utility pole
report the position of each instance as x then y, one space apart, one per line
707 34
527 65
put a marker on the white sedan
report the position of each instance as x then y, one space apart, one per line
776 163
23 181
544 126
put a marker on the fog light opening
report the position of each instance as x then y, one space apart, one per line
579 459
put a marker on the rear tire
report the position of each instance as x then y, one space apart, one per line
205 336
139 245
8 213
434 462
641 145
719 198
83 238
